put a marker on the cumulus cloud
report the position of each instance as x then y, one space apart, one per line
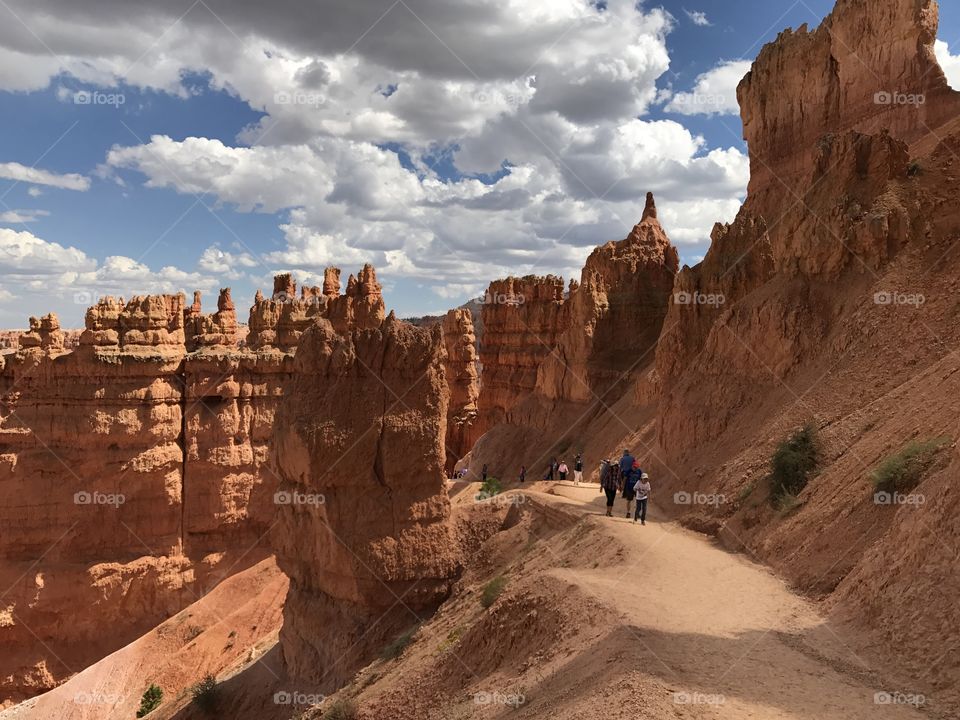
52 276
949 63
448 142
35 176
698 17
21 217
714 93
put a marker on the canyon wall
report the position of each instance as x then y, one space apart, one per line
829 301
463 380
134 471
359 445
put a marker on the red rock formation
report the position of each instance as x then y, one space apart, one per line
869 66
463 381
362 529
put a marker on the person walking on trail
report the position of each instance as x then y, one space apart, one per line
609 483
630 480
484 472
642 489
523 473
563 469
578 469
626 463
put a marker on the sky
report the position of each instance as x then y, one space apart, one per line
197 144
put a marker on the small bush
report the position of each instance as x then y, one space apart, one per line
914 169
492 591
904 470
151 699
745 492
205 693
490 487
396 648
341 710
792 462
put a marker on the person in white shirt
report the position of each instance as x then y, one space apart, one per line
642 488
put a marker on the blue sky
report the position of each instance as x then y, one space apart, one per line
222 144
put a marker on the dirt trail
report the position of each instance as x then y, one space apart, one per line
726 634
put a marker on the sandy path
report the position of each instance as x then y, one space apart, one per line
726 634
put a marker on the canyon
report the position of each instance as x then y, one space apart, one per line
168 454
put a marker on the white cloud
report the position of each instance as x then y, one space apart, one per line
21 217
23 253
949 63
35 176
698 17
228 264
714 93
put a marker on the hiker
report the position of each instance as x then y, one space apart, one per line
630 480
578 469
642 490
523 473
626 463
609 483
563 469
484 472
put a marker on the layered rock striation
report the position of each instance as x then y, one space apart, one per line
364 538
134 471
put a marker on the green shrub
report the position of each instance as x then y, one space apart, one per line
341 710
152 697
904 470
490 487
396 648
492 591
205 693
792 463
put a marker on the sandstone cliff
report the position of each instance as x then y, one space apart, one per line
463 380
134 471
830 306
364 538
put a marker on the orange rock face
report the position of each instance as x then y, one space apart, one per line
576 347
869 66
362 528
134 471
463 381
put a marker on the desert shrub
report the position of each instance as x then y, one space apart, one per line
904 470
205 693
396 648
745 492
490 487
492 591
792 463
151 699
341 710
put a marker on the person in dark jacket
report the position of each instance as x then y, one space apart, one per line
578 469
626 463
484 472
523 473
630 481
609 482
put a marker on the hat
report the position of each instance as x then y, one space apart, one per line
636 463
644 476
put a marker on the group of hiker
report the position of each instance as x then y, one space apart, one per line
560 470
627 478
624 477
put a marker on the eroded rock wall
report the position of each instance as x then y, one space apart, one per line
359 444
463 380
134 471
